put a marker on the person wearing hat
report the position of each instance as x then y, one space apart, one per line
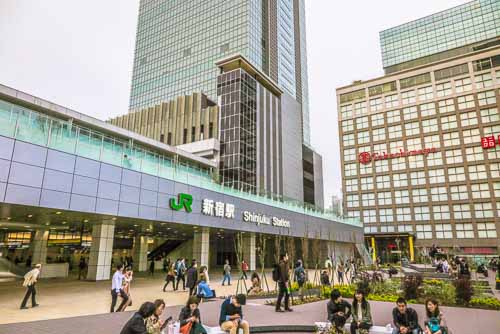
231 315
30 280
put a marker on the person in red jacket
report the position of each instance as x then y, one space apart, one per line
244 269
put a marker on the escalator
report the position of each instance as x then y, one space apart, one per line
364 253
10 271
165 248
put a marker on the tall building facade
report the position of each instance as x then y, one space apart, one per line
179 41
420 148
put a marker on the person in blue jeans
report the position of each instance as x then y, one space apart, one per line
227 273
204 290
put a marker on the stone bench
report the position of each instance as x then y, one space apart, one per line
373 329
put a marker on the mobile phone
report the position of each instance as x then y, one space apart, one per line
165 323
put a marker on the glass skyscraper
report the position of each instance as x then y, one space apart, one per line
179 41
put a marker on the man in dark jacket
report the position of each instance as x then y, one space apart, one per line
283 284
405 318
136 324
192 278
231 315
338 310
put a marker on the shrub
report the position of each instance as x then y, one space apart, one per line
410 286
444 292
487 303
383 298
364 285
464 290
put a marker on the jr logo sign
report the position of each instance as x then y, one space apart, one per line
183 201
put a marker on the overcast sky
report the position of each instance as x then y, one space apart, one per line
79 54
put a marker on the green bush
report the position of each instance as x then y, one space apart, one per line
487 303
445 293
464 291
383 298
411 285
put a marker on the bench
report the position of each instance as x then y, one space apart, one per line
323 326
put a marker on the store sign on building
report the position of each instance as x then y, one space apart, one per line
367 157
183 201
217 209
261 219
490 142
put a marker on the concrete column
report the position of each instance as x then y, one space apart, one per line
101 251
40 247
249 250
201 247
141 253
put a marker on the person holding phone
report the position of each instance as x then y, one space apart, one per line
190 318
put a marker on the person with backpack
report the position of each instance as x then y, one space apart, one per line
181 274
282 277
435 323
30 280
325 279
231 315
300 277
226 273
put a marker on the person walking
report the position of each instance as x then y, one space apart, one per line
244 269
300 277
116 288
30 280
283 284
152 267
227 273
170 277
181 274
127 281
340 273
192 278
81 268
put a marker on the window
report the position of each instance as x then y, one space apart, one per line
463 85
439 194
417 178
461 211
395 131
369 216
391 101
371 229
349 154
465 102
451 139
386 229
396 145
443 231
483 81
425 93
346 111
428 109
468 118
360 108
490 115
400 180
486 98
480 190
412 128
416 161
408 97
351 185
446 106
184 136
405 228
353 213
456 174
454 156
481 64
474 154
352 201
414 144
464 231
432 141
422 213
443 89
383 181
382 166
491 130
367 183
430 125
486 230
398 164
347 125
363 137
365 169
419 195
495 171
393 116
483 210
379 134
410 113
471 136
378 120
459 193
384 198
169 138
376 104
435 159
449 122
441 212
362 122
380 147
401 197
496 189
348 139
477 172
403 214
368 199
385 215
436 176
424 231
350 169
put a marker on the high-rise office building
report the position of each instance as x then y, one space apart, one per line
179 42
420 146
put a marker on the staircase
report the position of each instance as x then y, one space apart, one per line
365 255
9 271
165 248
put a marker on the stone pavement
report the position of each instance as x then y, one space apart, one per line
461 321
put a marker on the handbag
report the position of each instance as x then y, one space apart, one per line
186 329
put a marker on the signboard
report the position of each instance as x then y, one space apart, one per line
367 157
489 142
217 209
261 219
183 201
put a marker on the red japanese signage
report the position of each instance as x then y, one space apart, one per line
489 142
367 157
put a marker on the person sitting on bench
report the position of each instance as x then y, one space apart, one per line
231 315
405 318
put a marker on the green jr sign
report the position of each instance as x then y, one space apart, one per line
183 201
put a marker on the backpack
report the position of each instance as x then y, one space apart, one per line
434 324
301 276
276 273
